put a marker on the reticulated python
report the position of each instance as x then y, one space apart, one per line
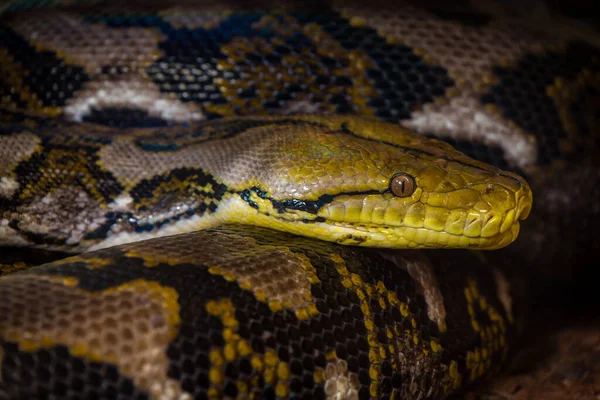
244 311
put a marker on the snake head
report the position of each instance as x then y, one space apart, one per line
364 182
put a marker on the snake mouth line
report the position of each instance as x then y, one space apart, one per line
486 226
421 238
492 230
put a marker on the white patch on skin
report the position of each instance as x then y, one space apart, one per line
121 203
340 384
421 270
194 223
503 290
130 93
10 237
8 186
465 119
469 55
169 389
303 107
131 49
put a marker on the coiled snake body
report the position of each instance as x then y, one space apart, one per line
192 281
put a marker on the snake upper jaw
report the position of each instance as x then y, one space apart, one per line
380 221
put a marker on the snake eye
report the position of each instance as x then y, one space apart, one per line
402 185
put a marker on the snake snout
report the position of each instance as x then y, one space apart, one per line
515 208
499 200
524 201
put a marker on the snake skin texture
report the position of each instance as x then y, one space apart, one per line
259 314
247 312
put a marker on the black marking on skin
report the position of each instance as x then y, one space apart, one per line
530 79
402 79
193 181
213 207
112 218
309 206
30 171
128 221
135 223
246 195
43 71
200 51
7 90
123 118
339 325
303 205
124 220
352 237
38 238
199 332
72 369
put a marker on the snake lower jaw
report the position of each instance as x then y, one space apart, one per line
379 236
421 238
502 239
392 237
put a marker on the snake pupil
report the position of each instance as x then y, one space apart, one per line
402 185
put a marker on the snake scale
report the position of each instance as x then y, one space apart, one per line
253 212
